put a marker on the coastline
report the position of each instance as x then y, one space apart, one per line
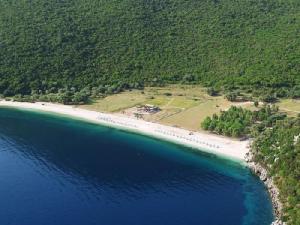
268 181
235 150
219 146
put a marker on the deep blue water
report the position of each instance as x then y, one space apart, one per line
59 171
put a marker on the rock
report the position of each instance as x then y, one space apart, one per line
278 222
262 173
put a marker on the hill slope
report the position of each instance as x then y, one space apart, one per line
50 44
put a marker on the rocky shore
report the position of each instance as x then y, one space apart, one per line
262 173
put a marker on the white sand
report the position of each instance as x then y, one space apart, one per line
209 143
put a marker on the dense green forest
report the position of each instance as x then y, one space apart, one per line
99 47
238 122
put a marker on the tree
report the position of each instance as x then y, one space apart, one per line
231 96
295 92
206 123
188 78
80 97
237 129
269 98
212 91
65 97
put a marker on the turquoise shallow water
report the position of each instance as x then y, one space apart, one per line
60 171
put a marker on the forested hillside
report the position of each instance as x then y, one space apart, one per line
50 46
278 149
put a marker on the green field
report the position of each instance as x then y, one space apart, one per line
182 105
290 106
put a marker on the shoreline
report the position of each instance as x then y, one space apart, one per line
268 181
238 151
220 146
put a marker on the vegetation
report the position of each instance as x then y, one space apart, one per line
237 121
56 49
181 105
72 51
231 96
276 146
212 91
290 106
278 149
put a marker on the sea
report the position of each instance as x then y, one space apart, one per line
56 170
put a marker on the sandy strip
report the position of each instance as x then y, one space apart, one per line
218 145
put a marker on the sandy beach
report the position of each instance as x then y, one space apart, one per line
218 145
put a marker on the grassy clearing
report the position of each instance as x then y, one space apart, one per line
191 117
173 96
182 105
290 106
117 102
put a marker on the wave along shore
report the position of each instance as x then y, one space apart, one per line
220 146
